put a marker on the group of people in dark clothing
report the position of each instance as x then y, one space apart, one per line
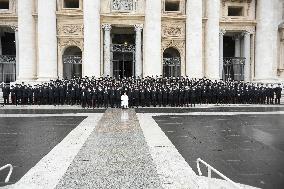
156 91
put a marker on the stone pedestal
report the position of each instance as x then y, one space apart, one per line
107 41
152 39
194 66
92 54
266 41
212 40
138 52
26 38
47 40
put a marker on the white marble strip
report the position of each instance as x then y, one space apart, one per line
50 169
172 169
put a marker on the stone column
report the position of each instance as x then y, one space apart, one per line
17 53
92 33
152 38
212 40
15 28
266 41
221 51
247 55
107 29
237 46
26 38
0 43
47 40
138 52
194 63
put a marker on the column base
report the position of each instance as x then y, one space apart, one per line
266 80
46 79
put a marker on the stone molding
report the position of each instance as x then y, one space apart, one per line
12 8
227 27
178 44
63 43
70 29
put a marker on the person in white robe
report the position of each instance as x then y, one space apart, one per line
124 101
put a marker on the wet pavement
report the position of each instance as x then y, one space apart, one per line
210 109
249 149
24 141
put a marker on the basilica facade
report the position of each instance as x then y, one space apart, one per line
218 39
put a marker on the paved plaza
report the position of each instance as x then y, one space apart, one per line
69 147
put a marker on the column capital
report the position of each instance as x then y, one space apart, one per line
138 27
222 32
14 27
106 27
244 33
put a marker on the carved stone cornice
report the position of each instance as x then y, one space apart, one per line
70 29
227 27
237 1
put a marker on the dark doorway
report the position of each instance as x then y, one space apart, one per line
123 53
171 63
122 64
8 58
229 46
233 67
72 62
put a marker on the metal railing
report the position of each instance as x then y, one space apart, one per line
210 169
7 59
10 171
72 59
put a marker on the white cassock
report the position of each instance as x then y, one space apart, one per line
124 101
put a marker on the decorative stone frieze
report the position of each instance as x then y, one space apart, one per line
71 29
122 5
173 30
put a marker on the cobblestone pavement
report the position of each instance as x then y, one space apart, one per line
114 156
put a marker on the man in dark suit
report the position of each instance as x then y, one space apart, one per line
6 94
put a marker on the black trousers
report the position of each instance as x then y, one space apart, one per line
6 100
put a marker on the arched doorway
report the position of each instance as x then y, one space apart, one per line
72 62
171 63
